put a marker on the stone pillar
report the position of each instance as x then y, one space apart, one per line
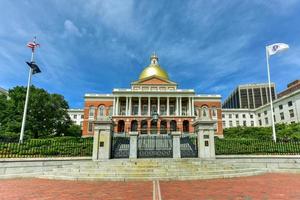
139 112
102 140
206 142
149 105
176 144
193 106
168 106
133 144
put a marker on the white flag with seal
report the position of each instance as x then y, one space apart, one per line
275 48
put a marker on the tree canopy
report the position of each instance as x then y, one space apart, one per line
46 115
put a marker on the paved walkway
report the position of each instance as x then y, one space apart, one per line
264 187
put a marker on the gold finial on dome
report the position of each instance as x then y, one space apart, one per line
154 69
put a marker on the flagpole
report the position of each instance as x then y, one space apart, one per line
26 101
271 100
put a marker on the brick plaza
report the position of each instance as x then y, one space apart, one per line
263 187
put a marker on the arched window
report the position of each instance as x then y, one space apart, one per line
173 125
101 111
134 125
92 112
163 127
144 126
204 112
110 111
214 112
121 126
153 127
186 126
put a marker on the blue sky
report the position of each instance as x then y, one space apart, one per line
95 46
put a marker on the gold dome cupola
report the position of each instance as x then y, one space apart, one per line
154 69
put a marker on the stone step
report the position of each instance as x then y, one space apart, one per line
145 178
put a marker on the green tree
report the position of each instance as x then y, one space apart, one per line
74 130
46 115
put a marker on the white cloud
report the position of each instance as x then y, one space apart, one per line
71 29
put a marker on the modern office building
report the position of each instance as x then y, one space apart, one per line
250 96
286 110
152 95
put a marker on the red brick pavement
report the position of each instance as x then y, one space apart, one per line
264 187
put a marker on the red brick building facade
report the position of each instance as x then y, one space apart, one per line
152 95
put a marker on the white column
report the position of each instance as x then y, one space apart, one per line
180 104
117 106
168 106
126 107
158 105
130 105
177 110
149 105
139 106
114 106
193 106
189 102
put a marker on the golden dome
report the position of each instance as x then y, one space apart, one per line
154 69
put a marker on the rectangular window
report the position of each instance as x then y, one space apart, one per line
244 123
258 114
135 109
163 110
244 116
266 121
259 122
290 103
265 112
237 116
144 109
172 109
251 116
237 123
90 127
184 110
92 113
291 113
252 123
224 124
280 107
82 116
230 123
123 110
230 116
75 116
223 116
282 116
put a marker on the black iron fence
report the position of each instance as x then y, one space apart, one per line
154 146
62 147
120 146
188 146
258 147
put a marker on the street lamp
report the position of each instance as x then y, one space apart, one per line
33 69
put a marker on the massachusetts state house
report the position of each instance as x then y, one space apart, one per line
152 105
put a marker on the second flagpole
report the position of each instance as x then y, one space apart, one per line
271 99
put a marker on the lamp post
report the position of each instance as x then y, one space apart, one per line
33 69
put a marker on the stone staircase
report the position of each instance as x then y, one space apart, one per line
149 169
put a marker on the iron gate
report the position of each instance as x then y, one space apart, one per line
188 146
120 146
155 146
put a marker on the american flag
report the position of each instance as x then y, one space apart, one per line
33 44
